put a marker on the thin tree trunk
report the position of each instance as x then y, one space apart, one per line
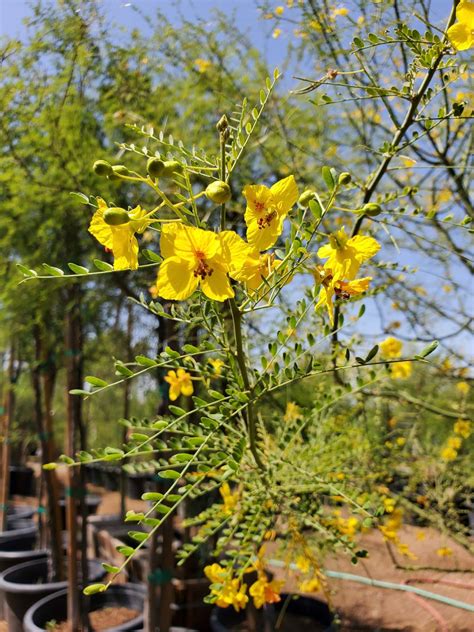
9 410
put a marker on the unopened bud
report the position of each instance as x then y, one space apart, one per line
170 167
306 197
116 216
102 168
155 167
218 192
371 209
344 178
120 170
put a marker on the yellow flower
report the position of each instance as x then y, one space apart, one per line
230 499
389 504
461 34
454 442
267 209
257 269
463 387
279 10
302 562
120 239
342 11
202 64
391 347
401 441
215 573
400 370
444 551
462 428
345 254
194 257
343 290
264 591
292 412
421 535
180 384
448 454
217 365
310 585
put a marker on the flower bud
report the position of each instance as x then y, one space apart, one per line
170 167
344 178
218 192
116 216
120 170
306 197
155 167
371 209
102 168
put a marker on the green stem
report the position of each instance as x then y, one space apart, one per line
251 422
222 175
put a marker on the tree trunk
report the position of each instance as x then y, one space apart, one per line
9 411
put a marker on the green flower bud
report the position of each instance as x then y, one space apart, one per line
306 197
170 167
155 167
116 216
218 192
371 209
102 168
50 466
120 170
344 178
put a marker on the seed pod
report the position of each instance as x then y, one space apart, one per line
344 178
102 168
116 216
218 192
155 167
306 197
170 167
120 170
371 209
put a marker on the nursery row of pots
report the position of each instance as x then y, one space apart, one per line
108 476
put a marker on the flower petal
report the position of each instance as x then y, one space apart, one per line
168 235
125 248
190 239
175 279
264 238
366 247
234 250
460 36
217 286
285 193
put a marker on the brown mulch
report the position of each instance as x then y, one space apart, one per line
103 619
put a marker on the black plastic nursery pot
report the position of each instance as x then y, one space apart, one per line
112 478
54 607
22 481
24 584
136 485
12 558
301 614
20 535
20 512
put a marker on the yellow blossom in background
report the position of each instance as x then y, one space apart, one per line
463 387
180 384
447 288
292 412
290 3
303 563
446 365
421 535
226 590
454 442
391 347
389 504
120 239
276 33
341 11
202 64
461 34
230 498
264 591
215 573
392 422
266 210
444 551
360 20
279 10
448 454
400 370
463 428
346 254
194 257
310 585
401 441
217 365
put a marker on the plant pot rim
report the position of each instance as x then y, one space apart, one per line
129 625
17 587
6 555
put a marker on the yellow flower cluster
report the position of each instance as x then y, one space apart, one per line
390 530
391 349
194 257
462 430
230 498
180 382
344 257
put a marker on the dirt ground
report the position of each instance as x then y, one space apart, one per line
366 608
